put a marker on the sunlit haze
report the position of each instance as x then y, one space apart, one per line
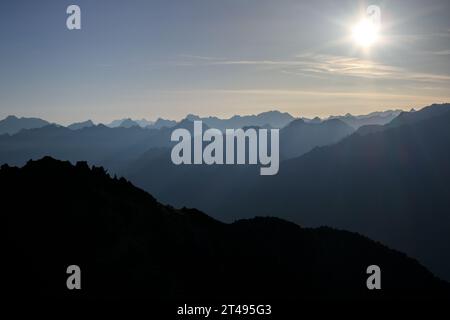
150 59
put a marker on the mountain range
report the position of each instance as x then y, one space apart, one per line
112 147
374 118
81 125
391 185
12 125
128 245
270 119
300 137
388 182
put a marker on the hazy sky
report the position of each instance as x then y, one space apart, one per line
139 58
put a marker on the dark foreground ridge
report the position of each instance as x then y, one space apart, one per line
129 245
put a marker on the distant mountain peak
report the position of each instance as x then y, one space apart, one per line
128 123
192 117
373 118
428 112
81 125
271 112
13 124
162 123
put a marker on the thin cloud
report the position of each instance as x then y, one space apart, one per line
318 65
363 68
314 93
442 53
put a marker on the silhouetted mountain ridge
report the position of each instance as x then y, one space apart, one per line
273 119
129 245
300 137
373 118
413 117
391 185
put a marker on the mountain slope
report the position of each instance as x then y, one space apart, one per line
299 137
424 114
113 148
374 118
12 124
129 245
391 185
162 123
110 147
273 119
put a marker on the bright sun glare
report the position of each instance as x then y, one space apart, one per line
365 33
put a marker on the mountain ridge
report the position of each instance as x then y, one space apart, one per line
386 185
12 124
130 246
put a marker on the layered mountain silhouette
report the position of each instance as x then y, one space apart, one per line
407 118
143 123
124 144
299 137
374 118
99 144
388 182
124 123
391 185
271 119
128 245
121 146
12 124
413 116
162 123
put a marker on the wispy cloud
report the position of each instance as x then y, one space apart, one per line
362 68
442 53
311 64
314 93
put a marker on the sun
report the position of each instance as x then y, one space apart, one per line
365 33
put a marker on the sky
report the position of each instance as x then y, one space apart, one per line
150 59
